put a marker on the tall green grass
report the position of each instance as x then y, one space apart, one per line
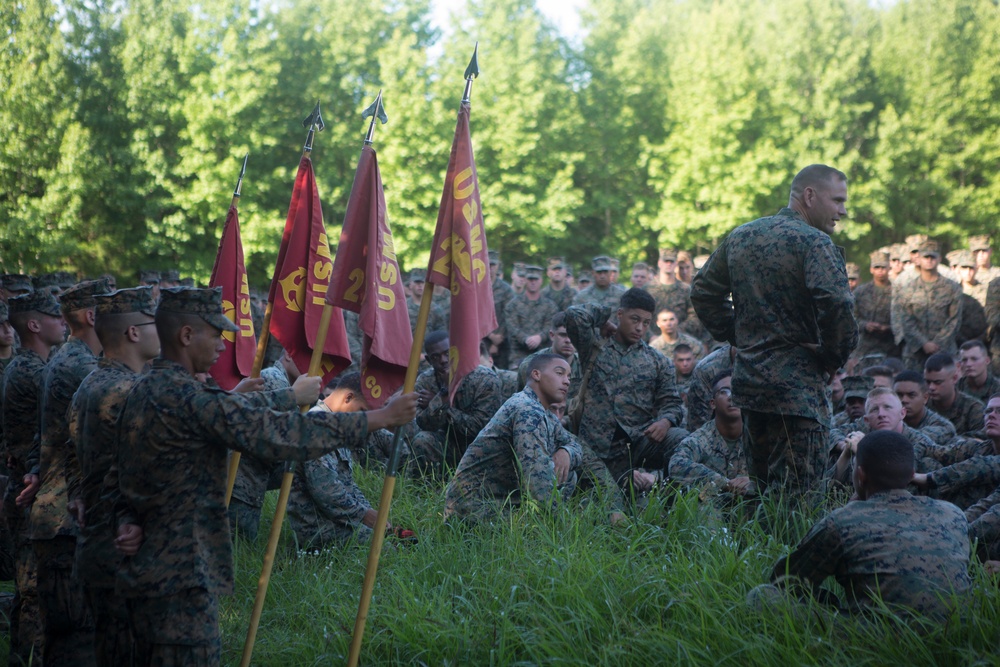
566 588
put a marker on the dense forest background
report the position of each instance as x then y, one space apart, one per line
123 123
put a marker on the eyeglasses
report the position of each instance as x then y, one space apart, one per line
144 324
725 391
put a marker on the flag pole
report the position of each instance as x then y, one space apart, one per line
409 384
314 122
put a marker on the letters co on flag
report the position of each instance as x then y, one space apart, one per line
459 257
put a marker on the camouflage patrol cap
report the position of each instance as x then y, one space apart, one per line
170 275
4 312
979 242
418 275
205 303
600 263
963 258
896 251
16 282
668 255
62 279
557 262
41 301
857 386
82 295
532 271
929 247
519 269
952 257
584 277
132 300
879 260
186 282
149 277
914 241
853 270
494 256
615 264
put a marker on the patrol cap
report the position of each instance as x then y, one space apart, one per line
879 259
914 241
186 282
149 277
853 270
952 257
557 262
4 312
532 271
494 256
171 275
668 255
979 242
615 264
584 277
418 275
519 269
61 279
41 301
928 248
205 303
857 386
16 282
83 295
131 300
600 263
964 258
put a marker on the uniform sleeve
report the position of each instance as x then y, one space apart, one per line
515 322
711 292
814 559
339 498
826 280
532 455
687 469
953 305
667 402
488 399
973 471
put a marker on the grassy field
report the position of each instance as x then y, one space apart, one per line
568 589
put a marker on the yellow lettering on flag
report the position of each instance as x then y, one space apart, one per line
229 310
373 387
460 192
293 289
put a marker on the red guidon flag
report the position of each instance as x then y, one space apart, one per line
301 278
230 273
459 259
366 280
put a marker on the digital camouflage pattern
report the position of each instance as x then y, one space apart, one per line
609 296
445 431
971 472
525 318
562 298
707 461
173 438
675 297
791 318
660 344
925 312
325 506
436 320
990 387
936 427
907 551
873 303
66 369
965 413
984 526
629 388
993 321
700 387
510 462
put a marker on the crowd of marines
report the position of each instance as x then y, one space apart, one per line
115 439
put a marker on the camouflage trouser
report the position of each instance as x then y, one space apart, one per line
66 619
112 631
181 629
244 519
431 453
26 639
786 452
627 456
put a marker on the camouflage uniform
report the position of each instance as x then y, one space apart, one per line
574 371
21 385
660 343
511 461
925 452
984 526
700 387
610 296
562 298
926 312
508 383
873 303
936 427
502 294
675 297
525 318
993 321
990 387
435 319
970 471
973 324
792 322
445 431
904 550
66 620
705 460
325 507
173 437
965 413
629 389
